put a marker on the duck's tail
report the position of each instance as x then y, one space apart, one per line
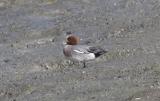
97 54
97 51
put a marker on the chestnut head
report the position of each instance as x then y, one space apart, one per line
72 40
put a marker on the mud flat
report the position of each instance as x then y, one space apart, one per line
33 68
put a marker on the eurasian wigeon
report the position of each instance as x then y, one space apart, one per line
81 53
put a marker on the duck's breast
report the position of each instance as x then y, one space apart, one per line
67 50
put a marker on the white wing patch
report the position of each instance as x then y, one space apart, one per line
81 55
78 51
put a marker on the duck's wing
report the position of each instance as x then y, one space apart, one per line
81 49
84 49
81 53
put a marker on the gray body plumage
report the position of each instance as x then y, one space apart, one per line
82 52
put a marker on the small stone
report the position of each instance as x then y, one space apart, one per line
83 72
6 60
137 98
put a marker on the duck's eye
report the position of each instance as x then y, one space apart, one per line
70 39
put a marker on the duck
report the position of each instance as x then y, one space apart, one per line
80 52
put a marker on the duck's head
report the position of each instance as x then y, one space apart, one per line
72 39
